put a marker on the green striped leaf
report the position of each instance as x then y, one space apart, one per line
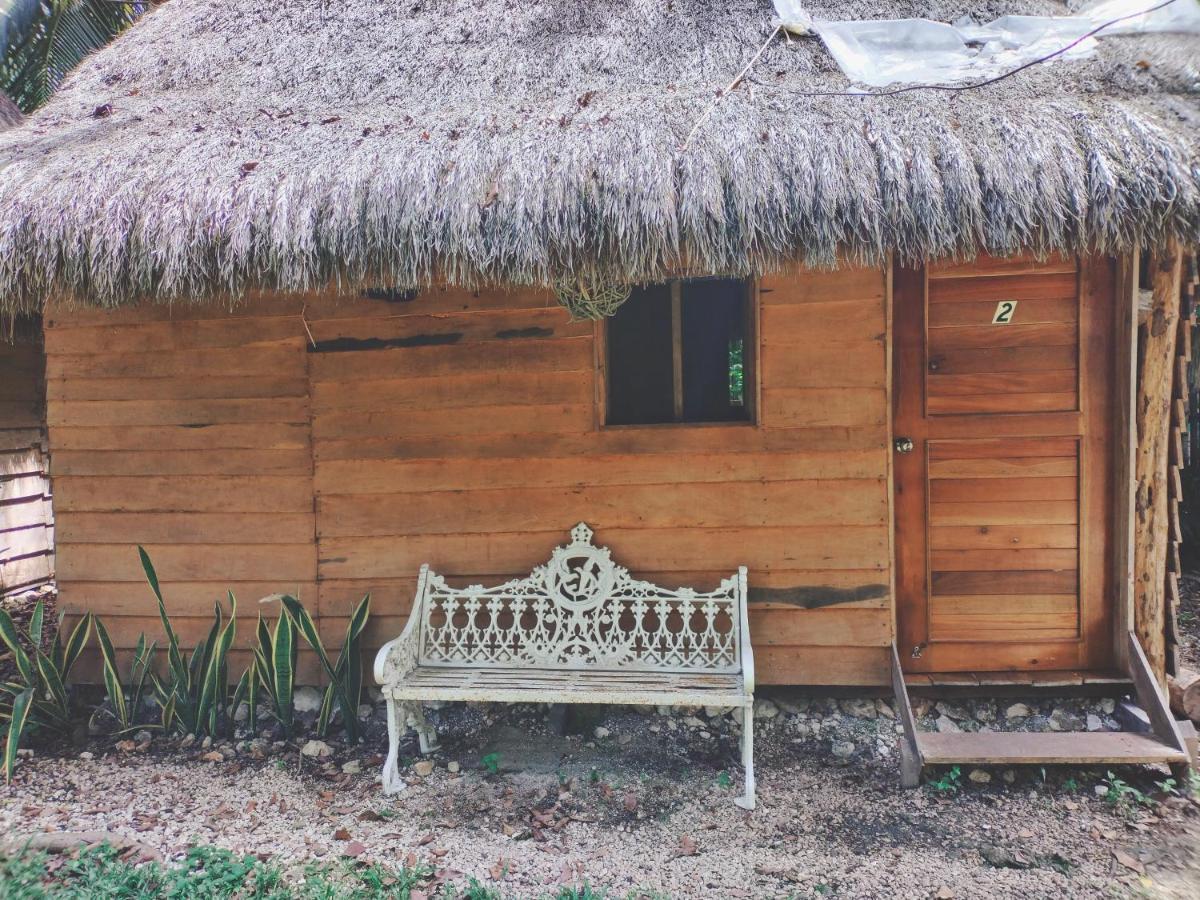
112 677
16 728
8 633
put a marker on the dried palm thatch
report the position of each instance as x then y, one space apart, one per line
222 144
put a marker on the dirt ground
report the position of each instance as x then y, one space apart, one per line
631 809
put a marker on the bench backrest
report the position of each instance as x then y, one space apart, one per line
582 611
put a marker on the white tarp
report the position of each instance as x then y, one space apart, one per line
881 52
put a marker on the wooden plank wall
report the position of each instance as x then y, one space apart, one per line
26 518
188 432
460 429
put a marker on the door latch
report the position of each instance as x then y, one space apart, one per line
904 445
917 651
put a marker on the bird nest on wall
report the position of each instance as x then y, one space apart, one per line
591 298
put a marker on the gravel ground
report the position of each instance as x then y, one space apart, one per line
637 803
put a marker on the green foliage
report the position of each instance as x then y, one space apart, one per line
125 698
39 698
345 676
194 692
210 873
724 781
43 40
949 783
491 762
1123 796
272 670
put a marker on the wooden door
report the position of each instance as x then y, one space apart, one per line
1002 381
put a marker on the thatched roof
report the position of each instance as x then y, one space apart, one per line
227 143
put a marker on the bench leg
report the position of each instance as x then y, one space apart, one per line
747 801
392 782
426 733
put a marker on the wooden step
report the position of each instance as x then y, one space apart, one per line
1044 748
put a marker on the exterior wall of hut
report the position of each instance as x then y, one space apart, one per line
330 447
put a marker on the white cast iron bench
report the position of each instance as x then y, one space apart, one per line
577 630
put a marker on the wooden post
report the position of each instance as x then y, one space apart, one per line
1154 428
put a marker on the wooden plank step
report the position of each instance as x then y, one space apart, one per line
1024 748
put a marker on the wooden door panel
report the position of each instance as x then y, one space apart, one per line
998 551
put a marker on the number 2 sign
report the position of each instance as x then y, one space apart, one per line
1005 310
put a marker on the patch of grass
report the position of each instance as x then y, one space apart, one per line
211 873
724 781
491 762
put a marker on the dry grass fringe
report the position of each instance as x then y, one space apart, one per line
217 148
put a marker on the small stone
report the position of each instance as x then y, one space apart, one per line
663 710
307 699
316 749
1062 720
739 714
803 729
944 893
1108 706
365 711
842 749
946 724
213 756
353 767
693 722
952 711
423 768
601 733
625 739
1009 776
1101 790
1094 723
704 735
186 741
884 710
765 709
655 729
1018 711
143 737
793 706
715 712
979 776
87 754
242 713
984 711
858 707
206 743
921 706
453 767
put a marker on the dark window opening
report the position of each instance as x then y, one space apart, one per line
681 352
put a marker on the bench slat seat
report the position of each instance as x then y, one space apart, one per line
526 686
579 629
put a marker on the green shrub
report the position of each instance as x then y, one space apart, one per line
125 699
194 694
39 698
345 676
272 670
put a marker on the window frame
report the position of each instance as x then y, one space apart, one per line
752 349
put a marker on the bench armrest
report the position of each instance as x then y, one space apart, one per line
398 657
747 649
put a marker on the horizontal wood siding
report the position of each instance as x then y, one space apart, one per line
188 434
477 456
459 429
26 518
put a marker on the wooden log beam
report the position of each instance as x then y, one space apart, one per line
1185 694
1152 511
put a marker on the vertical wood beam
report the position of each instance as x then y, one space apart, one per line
1154 431
1125 348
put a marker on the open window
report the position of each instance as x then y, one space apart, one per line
682 351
